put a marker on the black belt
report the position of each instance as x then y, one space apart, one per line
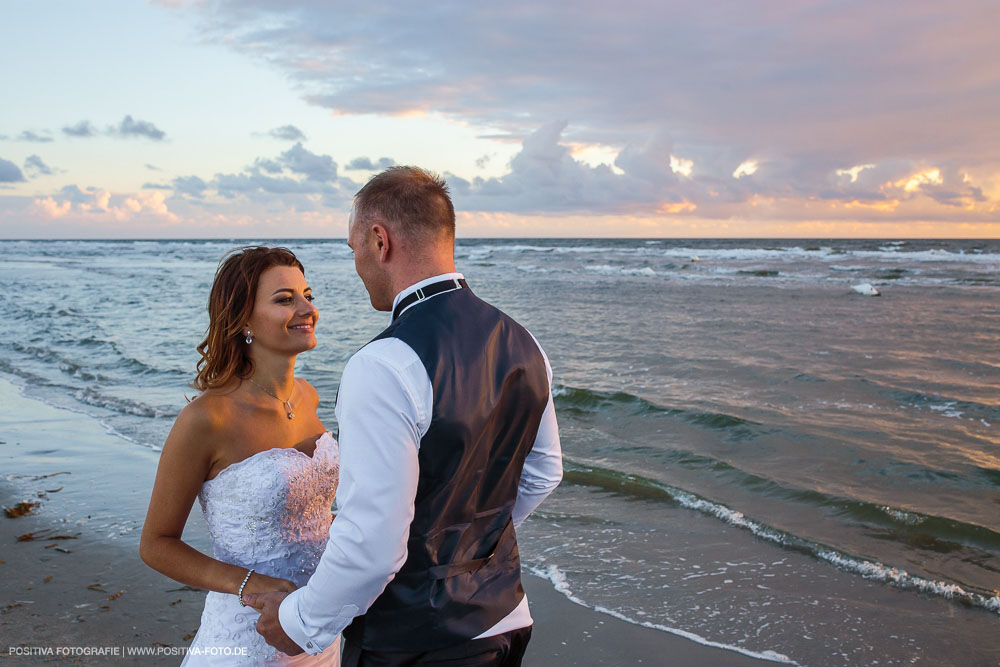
429 290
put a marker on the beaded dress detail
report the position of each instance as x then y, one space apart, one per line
270 512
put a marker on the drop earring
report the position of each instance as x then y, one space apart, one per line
249 338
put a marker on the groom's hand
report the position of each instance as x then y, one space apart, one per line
268 625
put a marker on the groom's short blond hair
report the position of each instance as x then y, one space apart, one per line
412 201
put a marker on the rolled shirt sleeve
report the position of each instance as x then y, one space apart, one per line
382 411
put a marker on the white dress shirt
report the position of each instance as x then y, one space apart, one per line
383 410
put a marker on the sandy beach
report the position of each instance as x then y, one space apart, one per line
75 591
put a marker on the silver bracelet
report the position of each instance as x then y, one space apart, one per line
242 586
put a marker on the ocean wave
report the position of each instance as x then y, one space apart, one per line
649 489
559 581
123 406
906 524
578 400
609 270
830 253
947 406
759 273
902 579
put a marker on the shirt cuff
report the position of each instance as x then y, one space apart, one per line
291 623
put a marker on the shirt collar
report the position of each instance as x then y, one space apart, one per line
423 283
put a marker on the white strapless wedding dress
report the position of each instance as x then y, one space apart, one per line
270 512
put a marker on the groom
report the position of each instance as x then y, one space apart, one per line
448 441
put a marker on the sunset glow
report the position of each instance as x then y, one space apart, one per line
193 119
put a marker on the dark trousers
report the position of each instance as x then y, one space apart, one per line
503 650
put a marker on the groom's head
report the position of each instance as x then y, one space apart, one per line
402 229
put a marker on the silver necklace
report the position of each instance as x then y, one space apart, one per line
288 406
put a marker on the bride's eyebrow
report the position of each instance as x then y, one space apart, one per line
289 289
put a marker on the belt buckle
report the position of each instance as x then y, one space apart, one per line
420 294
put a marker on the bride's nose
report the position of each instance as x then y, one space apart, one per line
306 308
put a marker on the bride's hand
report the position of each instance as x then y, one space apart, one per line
261 583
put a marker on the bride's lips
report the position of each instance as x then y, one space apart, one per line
302 327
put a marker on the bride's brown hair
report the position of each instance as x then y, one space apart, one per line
230 304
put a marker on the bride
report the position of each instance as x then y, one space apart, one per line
251 448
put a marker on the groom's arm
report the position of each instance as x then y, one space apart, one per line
383 411
543 468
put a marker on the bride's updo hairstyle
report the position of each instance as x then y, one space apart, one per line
230 304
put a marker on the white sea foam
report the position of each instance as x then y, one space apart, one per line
903 516
866 289
903 579
606 269
561 584
947 409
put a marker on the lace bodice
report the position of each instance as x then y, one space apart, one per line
270 512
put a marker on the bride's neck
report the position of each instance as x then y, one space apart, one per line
276 374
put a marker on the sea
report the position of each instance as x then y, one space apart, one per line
758 456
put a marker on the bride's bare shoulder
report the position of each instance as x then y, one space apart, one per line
308 391
209 412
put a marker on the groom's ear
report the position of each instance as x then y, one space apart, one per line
382 241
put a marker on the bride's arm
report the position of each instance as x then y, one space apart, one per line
184 465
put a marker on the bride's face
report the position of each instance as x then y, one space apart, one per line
284 317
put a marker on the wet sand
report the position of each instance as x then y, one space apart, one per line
77 583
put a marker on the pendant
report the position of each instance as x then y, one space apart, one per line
288 410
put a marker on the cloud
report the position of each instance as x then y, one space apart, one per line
803 89
101 205
287 133
548 177
28 135
544 177
366 164
297 178
10 173
50 208
75 195
130 127
81 129
747 168
314 167
35 164
190 185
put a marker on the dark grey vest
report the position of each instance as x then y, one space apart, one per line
462 573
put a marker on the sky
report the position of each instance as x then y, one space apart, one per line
730 118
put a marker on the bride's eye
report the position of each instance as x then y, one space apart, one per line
310 298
